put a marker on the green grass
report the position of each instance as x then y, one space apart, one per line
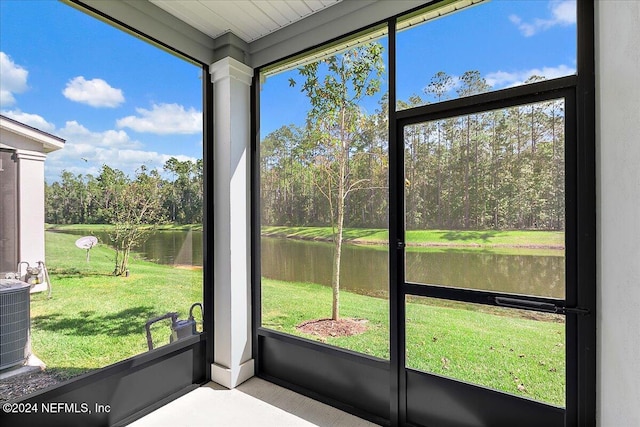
451 238
325 233
102 227
95 319
287 304
497 348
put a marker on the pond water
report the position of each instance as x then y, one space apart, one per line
365 268
174 247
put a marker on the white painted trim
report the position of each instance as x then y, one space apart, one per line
232 378
334 21
230 68
47 140
30 155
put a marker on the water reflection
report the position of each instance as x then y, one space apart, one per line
365 269
173 247
517 274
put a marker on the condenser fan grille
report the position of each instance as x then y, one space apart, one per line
14 322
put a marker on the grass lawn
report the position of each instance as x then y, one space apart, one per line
95 319
484 238
496 348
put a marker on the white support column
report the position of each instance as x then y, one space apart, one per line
233 363
30 206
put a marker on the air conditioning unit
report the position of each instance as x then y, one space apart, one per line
15 322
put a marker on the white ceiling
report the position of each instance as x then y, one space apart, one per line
247 19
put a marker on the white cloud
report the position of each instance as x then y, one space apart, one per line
85 152
164 119
13 79
500 79
32 120
563 13
83 141
152 159
95 92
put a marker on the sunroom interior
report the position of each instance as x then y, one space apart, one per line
249 51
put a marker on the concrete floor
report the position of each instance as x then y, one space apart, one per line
253 403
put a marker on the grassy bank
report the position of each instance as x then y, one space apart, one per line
499 349
532 239
449 238
106 227
95 319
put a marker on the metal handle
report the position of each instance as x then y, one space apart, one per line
526 304
539 306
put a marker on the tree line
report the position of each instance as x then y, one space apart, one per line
132 205
501 169
88 199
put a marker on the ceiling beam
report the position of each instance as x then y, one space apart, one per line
340 19
167 31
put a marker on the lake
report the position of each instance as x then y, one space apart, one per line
365 268
173 247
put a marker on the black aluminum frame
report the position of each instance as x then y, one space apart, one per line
208 217
579 302
143 368
138 385
278 355
468 395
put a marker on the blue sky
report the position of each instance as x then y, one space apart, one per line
115 99
505 40
120 101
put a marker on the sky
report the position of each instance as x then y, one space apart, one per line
114 98
120 101
505 40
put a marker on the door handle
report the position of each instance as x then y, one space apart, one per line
538 306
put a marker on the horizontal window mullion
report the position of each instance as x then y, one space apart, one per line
476 296
505 98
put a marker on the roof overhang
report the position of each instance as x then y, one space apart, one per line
8 126
173 26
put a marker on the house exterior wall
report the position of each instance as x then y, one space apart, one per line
618 161
8 211
30 147
31 206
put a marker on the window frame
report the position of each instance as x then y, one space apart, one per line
580 200
136 386
548 90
